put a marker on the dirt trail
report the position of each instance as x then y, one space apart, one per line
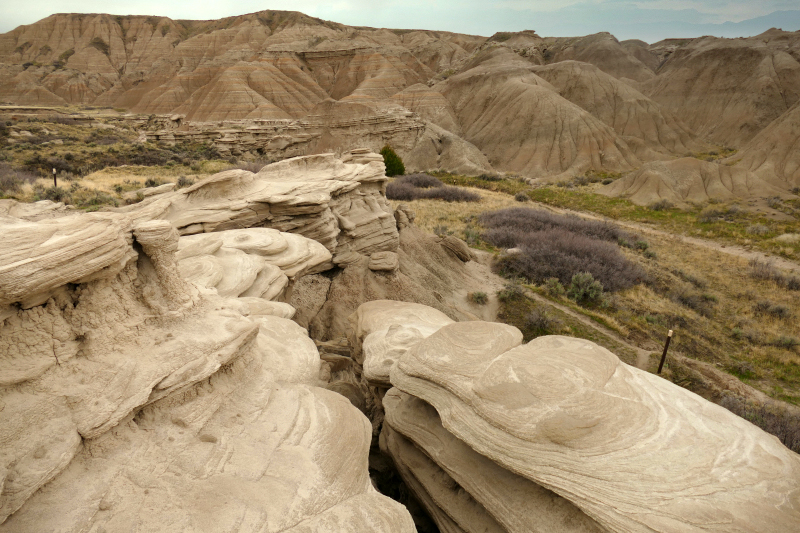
642 355
730 249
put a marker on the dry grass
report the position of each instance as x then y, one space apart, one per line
456 216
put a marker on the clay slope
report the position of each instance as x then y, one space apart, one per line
727 90
370 123
270 64
602 50
641 51
774 154
520 122
650 131
689 180
429 104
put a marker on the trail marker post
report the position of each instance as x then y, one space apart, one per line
55 180
664 355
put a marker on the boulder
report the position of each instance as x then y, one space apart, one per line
517 504
569 416
458 247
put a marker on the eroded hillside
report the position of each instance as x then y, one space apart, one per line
542 107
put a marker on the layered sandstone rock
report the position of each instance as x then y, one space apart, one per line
436 490
428 274
569 416
336 202
136 399
517 504
690 181
253 262
382 331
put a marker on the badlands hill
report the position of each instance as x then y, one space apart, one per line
541 107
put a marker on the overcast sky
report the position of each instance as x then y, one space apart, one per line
649 20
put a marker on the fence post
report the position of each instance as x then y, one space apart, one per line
664 355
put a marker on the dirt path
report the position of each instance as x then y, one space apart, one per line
642 355
730 249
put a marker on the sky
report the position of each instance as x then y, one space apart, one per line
648 20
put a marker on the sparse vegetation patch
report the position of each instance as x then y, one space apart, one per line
561 247
418 186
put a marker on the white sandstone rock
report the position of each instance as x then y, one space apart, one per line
518 504
633 451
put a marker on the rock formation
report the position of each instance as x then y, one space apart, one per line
336 202
558 434
518 504
690 181
253 262
156 366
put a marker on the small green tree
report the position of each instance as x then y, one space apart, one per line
394 165
584 288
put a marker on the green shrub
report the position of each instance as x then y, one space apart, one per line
509 292
554 287
394 165
56 194
479 298
521 197
99 44
539 322
661 205
584 288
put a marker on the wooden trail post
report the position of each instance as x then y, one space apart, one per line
664 355
55 180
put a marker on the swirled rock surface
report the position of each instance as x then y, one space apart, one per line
133 398
382 330
568 415
435 489
517 504
252 262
